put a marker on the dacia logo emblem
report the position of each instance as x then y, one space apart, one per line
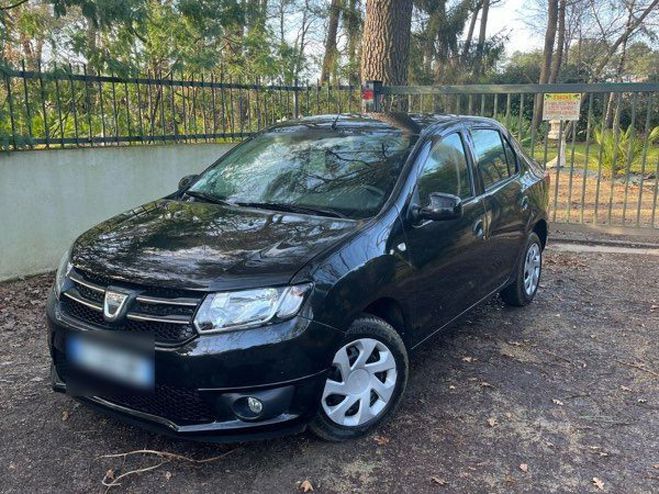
113 305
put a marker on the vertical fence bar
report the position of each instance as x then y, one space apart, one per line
173 105
644 158
115 115
599 159
100 102
140 114
89 103
520 134
558 171
129 126
12 121
587 157
656 189
161 101
569 186
43 109
631 136
74 110
533 127
614 161
28 112
58 102
213 110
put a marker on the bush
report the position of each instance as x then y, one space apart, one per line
629 150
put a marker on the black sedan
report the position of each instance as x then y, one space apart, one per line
286 285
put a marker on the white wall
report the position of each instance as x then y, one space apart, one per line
48 198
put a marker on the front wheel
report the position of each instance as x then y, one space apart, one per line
527 274
366 382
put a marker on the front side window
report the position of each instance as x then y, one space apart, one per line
348 172
445 170
491 156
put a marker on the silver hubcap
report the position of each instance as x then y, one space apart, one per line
532 269
361 383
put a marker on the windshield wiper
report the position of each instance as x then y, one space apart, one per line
207 197
293 208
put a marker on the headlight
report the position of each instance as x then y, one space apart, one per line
246 308
62 272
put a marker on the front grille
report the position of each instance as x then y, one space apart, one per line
165 313
181 405
173 403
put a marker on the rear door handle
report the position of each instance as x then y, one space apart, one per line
478 229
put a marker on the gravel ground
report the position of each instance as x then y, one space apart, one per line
560 396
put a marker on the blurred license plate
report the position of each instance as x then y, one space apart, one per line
111 362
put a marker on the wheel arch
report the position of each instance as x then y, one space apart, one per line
392 311
540 229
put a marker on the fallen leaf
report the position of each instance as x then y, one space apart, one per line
642 400
492 422
65 415
468 359
451 387
656 465
438 481
486 385
381 440
168 475
558 402
306 486
109 475
625 388
524 467
598 483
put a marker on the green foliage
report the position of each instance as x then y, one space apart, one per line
629 149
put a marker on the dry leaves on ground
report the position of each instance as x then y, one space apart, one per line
598 483
492 422
524 467
305 486
438 481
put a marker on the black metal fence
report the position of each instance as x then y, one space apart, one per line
604 168
606 172
70 107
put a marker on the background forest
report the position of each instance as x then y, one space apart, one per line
450 41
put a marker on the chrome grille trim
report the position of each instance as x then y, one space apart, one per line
134 316
76 297
79 281
188 302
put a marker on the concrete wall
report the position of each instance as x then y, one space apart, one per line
48 198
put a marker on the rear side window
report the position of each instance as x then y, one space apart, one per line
511 157
491 156
445 170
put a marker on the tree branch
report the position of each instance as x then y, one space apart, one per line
17 4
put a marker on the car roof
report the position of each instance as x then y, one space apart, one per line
413 124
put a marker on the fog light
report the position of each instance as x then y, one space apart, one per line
255 405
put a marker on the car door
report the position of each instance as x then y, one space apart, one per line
504 201
447 254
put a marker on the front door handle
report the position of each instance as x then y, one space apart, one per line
478 229
524 204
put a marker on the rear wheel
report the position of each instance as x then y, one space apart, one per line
366 382
527 274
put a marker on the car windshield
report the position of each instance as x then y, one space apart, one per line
342 172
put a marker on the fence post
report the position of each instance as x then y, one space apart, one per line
296 99
372 96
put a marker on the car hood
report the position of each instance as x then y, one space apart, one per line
196 245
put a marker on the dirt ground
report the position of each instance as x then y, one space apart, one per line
560 396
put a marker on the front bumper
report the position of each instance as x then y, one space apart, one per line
202 385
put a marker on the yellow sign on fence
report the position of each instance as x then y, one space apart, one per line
561 106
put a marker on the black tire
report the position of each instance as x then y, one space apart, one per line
373 327
515 294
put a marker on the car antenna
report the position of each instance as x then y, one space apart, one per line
335 120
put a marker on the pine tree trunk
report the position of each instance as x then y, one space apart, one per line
352 16
480 47
550 36
329 60
386 41
560 42
470 32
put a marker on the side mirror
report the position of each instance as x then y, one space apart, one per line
442 207
185 182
